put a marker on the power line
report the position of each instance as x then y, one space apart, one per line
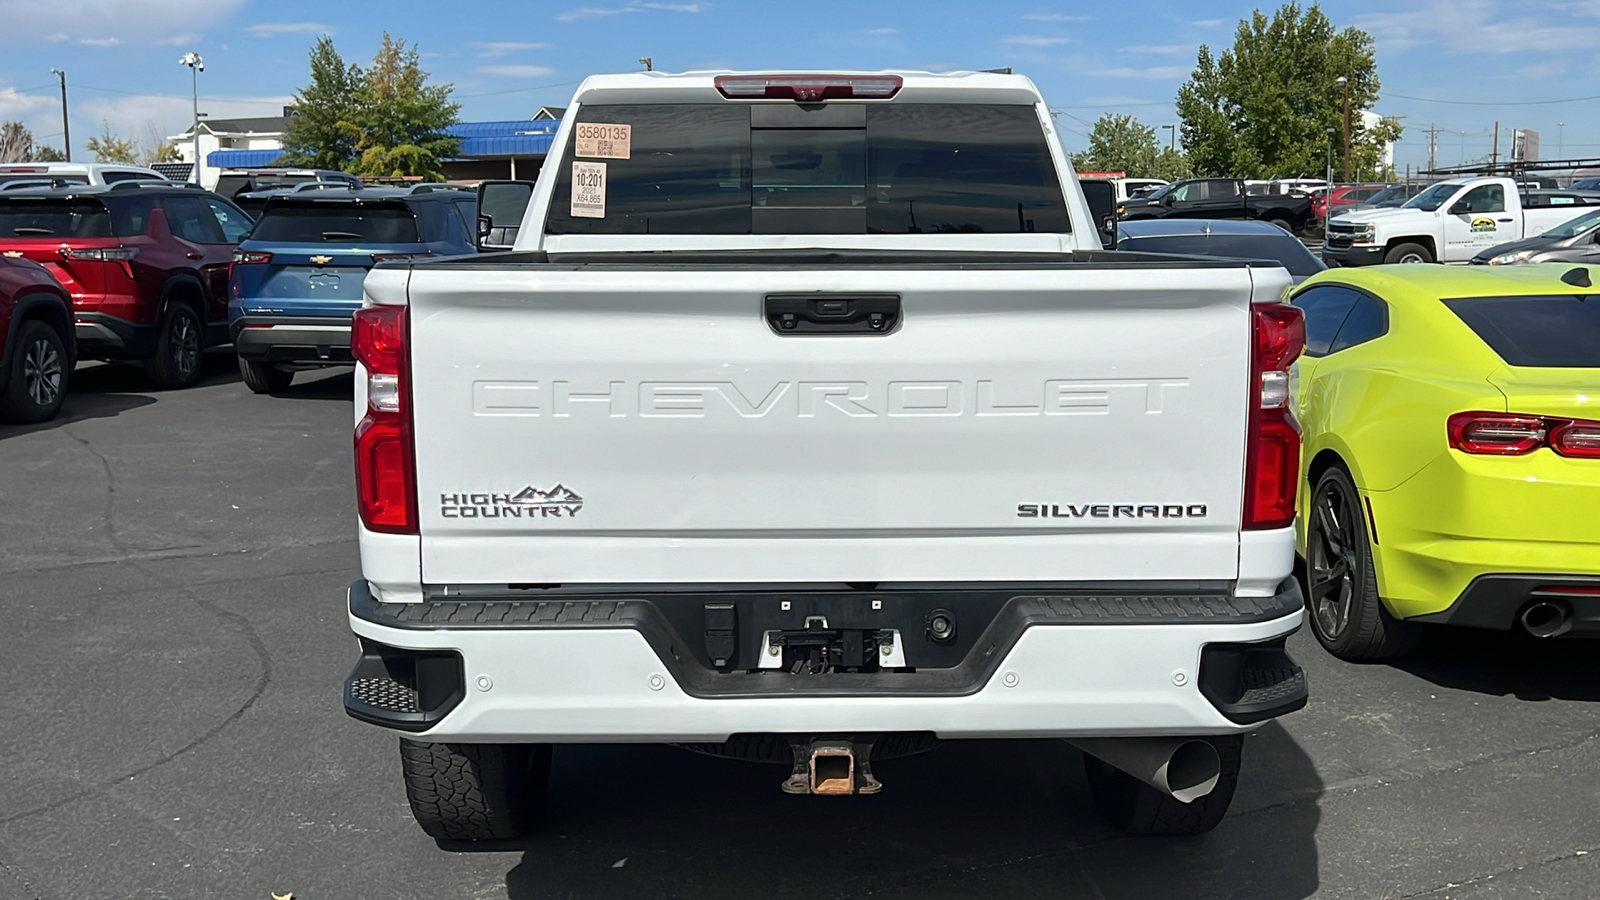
1489 102
537 87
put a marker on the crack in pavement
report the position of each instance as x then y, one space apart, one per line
27 887
106 515
263 679
159 554
1507 870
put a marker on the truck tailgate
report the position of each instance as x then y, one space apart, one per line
645 424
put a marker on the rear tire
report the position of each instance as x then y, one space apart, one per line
37 384
475 792
1406 254
264 378
1282 223
1133 807
178 347
1341 582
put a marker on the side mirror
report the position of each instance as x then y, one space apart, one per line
501 205
1460 208
1102 198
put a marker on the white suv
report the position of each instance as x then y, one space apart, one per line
46 174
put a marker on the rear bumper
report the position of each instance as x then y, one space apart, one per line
303 339
618 669
1493 601
102 336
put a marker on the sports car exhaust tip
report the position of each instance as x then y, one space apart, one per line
1546 618
1184 769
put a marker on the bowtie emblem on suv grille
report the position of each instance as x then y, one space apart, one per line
322 260
13 254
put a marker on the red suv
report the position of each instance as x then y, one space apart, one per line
36 351
146 265
1342 195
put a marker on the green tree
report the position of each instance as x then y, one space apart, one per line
157 148
46 153
16 142
401 118
1120 143
1263 108
110 148
322 133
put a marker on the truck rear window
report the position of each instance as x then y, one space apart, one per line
902 168
338 223
1558 331
53 218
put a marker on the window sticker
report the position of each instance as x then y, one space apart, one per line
601 141
588 190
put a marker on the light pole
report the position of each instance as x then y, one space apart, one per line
66 133
1344 83
1327 209
196 66
1561 128
1172 136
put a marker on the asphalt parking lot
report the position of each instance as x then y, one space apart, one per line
172 575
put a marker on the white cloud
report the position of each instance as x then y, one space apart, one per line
1151 72
133 22
1053 17
100 42
517 71
1475 27
1034 40
502 48
882 31
1208 23
1159 49
586 12
273 29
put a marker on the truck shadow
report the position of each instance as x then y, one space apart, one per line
1506 663
990 818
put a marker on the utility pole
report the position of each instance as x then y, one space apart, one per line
1561 128
66 132
1345 83
1433 142
1494 155
196 66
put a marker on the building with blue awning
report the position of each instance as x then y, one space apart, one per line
515 148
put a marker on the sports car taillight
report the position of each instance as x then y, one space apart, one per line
386 481
1272 455
1514 434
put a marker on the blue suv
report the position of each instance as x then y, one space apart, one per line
296 279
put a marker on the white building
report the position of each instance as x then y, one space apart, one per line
1369 121
261 133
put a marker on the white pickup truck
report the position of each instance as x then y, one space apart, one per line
1450 222
807 422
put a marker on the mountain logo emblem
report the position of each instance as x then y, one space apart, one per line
558 497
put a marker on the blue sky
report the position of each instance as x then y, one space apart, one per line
1457 64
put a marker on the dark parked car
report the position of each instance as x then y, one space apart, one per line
1585 184
297 280
1388 198
236 184
1231 239
1220 198
36 347
1577 241
146 265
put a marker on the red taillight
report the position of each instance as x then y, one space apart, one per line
1272 457
1514 434
386 482
808 88
248 258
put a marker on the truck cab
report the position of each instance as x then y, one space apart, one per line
1450 222
1221 198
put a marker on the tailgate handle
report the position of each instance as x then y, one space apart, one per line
789 314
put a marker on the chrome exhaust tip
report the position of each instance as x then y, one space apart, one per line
1546 618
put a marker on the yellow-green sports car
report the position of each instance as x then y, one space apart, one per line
1451 427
